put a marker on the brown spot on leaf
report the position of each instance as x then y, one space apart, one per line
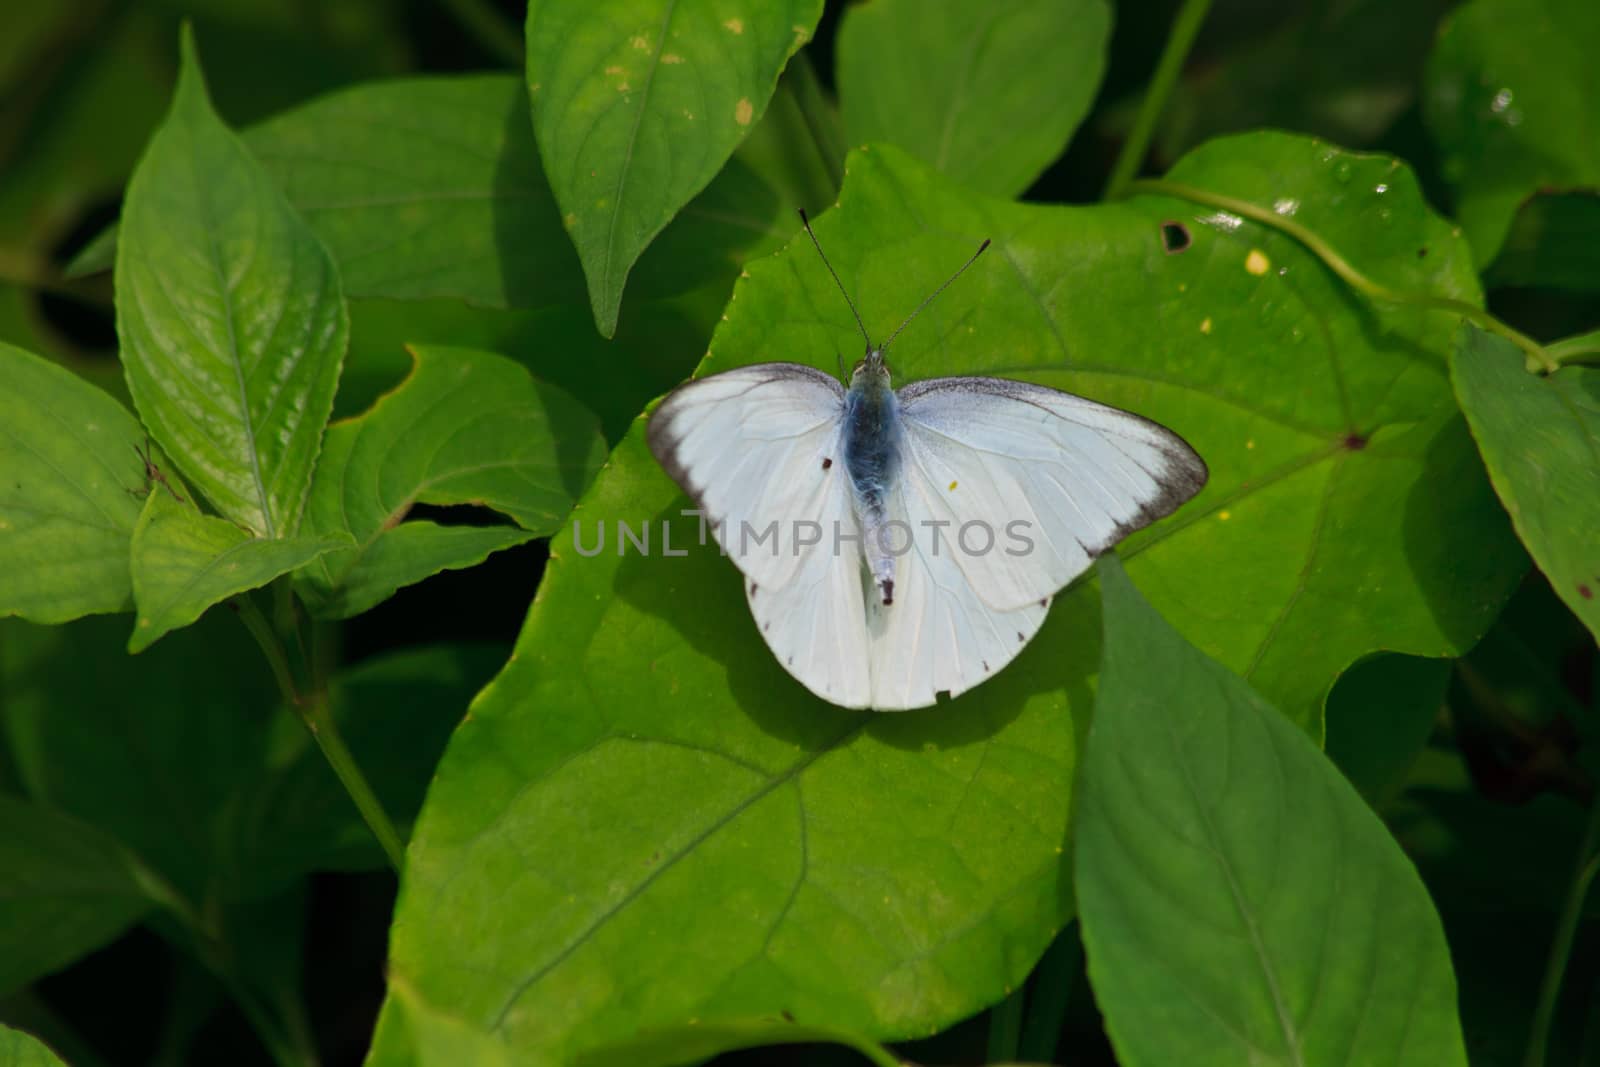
1585 592
1354 442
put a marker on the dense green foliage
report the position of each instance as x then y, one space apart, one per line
1297 777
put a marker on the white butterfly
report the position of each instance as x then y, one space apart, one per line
899 544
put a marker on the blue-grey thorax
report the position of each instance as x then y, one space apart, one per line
872 437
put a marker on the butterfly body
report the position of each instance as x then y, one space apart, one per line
872 441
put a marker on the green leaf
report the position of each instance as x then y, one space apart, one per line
1553 243
184 562
1240 902
466 427
1511 86
637 104
18 1049
472 219
696 1043
1342 70
147 749
1380 714
69 472
967 87
232 322
1541 440
690 824
205 776
414 1033
66 889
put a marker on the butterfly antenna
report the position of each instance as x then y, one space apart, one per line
836 281
936 292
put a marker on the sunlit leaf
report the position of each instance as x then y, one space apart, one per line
230 314
637 104
1541 440
466 427
966 87
18 1049
69 475
1240 902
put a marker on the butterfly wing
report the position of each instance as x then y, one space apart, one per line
1074 476
756 447
938 635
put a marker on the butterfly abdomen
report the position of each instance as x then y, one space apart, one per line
872 446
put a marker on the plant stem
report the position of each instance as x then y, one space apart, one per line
267 638
1179 40
1561 948
1538 358
315 713
820 118
489 28
1584 348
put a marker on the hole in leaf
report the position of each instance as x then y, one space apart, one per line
1175 237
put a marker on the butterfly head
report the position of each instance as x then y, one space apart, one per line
874 368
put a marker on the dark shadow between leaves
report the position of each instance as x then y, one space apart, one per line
701 596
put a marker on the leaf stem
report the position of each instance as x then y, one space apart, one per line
818 114
1561 947
1179 40
1537 357
1584 348
267 638
316 715
489 28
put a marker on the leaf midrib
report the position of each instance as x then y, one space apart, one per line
633 139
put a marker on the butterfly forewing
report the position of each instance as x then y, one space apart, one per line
757 449
1033 483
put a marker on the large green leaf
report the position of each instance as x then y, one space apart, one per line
702 839
466 427
1240 902
17 1049
472 217
637 104
65 888
69 472
967 88
1541 440
230 314
183 562
1513 99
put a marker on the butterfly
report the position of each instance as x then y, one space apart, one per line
899 544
